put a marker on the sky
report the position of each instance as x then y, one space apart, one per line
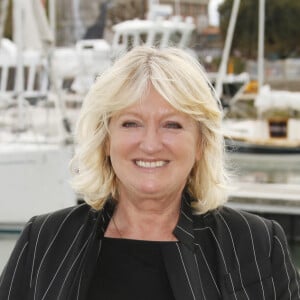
213 12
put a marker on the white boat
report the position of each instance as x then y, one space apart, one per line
34 153
275 130
34 180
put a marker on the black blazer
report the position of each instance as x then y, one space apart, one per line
223 254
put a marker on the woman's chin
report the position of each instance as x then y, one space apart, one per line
151 189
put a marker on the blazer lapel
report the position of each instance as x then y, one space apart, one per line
182 270
95 229
180 258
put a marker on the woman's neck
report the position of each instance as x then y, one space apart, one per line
149 219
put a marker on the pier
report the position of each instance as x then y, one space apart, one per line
266 198
269 186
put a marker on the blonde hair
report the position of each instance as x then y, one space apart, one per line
177 77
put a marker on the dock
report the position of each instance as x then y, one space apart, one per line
279 202
268 185
266 197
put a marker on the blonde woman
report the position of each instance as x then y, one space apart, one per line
150 166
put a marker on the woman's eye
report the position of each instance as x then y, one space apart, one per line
173 125
129 124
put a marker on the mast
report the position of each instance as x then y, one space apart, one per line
52 18
225 55
261 37
18 20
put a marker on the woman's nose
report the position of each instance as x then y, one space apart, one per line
151 140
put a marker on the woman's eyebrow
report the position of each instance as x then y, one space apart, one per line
128 114
137 112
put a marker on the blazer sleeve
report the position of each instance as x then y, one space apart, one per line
14 280
285 275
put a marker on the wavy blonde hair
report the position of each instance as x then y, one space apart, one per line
180 79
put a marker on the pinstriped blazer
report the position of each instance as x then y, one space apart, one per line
223 254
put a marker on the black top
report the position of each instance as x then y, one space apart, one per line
130 269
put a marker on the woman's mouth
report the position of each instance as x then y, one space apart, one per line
151 164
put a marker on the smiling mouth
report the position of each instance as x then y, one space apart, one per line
151 164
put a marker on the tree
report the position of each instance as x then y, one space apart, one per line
7 32
282 27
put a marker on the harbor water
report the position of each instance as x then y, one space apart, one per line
7 242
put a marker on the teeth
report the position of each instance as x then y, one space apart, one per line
152 164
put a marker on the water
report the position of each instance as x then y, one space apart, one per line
7 243
295 252
262 168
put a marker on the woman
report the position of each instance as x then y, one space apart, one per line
149 164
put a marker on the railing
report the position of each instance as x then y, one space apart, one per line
35 75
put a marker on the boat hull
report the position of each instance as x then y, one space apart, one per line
250 147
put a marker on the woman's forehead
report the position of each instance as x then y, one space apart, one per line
148 105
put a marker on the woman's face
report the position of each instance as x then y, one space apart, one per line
152 148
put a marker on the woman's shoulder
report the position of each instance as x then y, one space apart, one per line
252 248
237 224
69 218
71 212
58 229
237 233
237 218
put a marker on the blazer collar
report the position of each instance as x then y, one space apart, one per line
184 228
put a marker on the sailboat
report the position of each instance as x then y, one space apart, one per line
264 152
34 151
275 131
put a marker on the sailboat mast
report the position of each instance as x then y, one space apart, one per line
177 8
261 38
228 41
18 20
52 18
